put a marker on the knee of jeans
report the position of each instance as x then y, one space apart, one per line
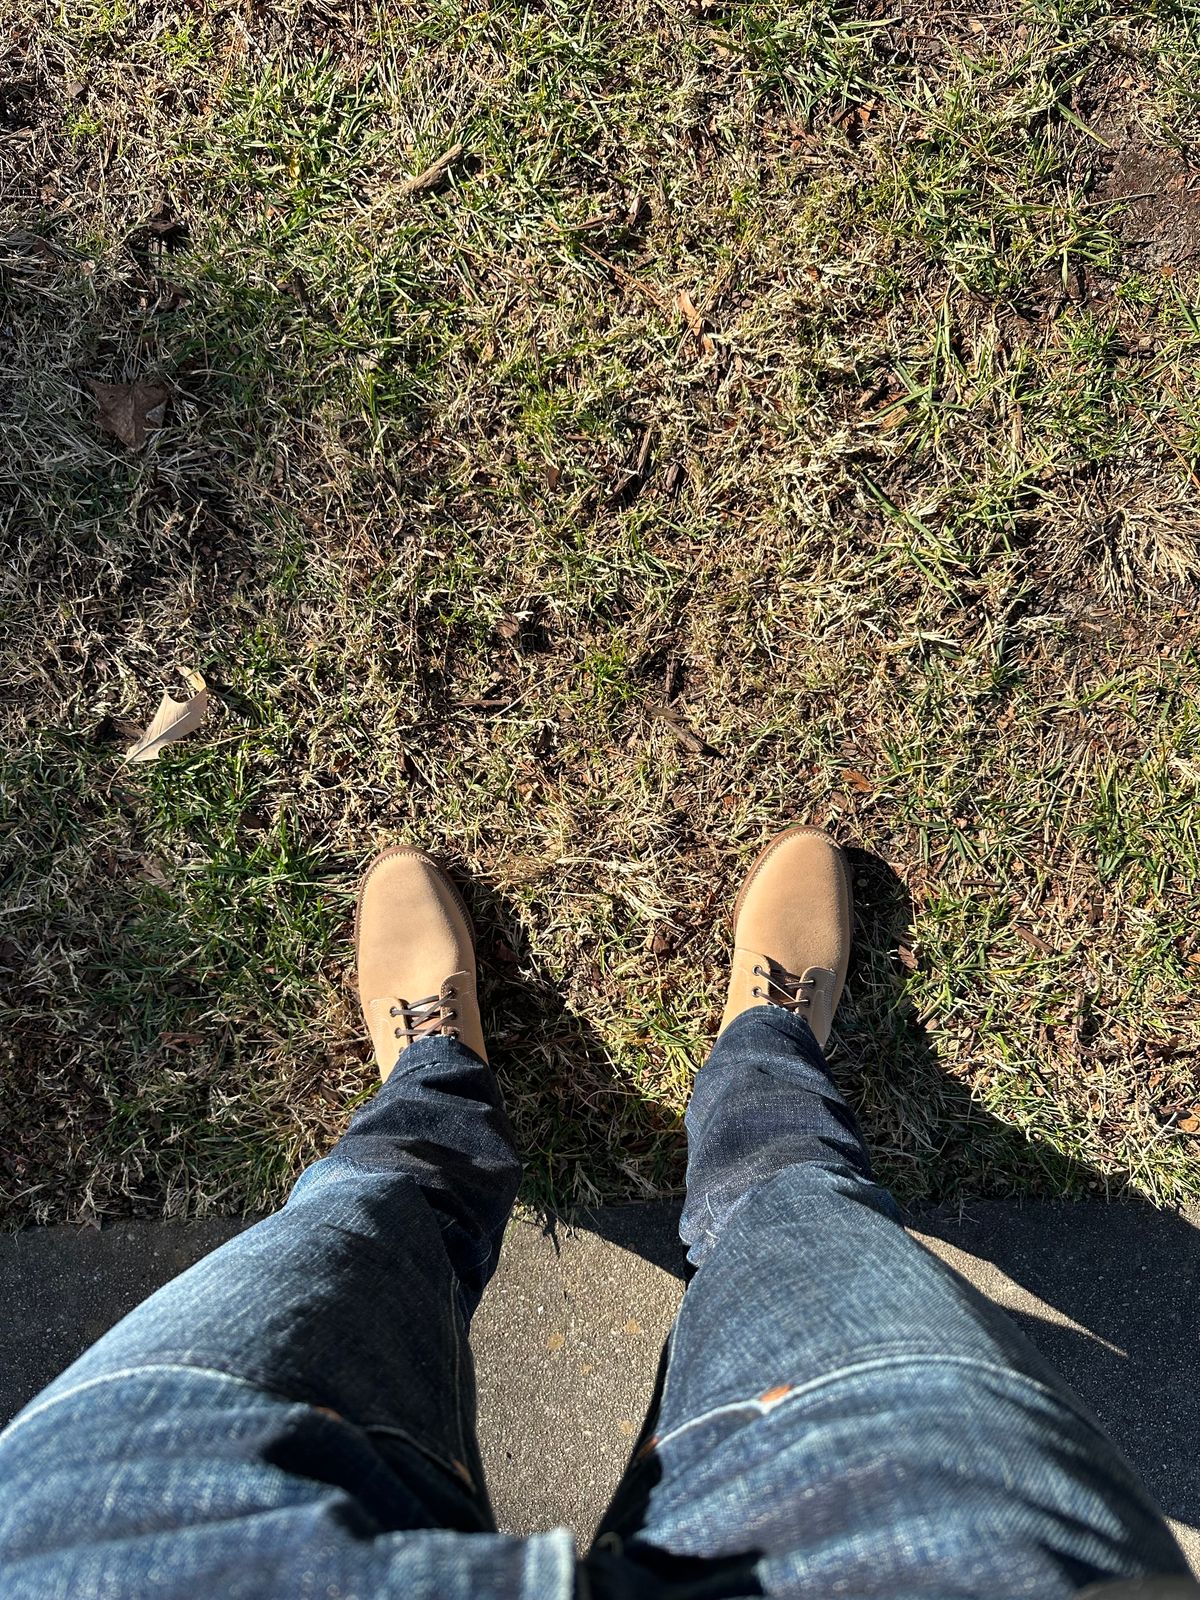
895 1440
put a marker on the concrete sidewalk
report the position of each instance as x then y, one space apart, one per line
568 1336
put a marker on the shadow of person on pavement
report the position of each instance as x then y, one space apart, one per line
1109 1293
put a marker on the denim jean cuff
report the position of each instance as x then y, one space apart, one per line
788 1023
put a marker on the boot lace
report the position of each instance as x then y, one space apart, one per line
783 988
423 1019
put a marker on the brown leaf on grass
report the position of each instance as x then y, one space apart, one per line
173 720
690 315
893 416
129 410
1163 1050
154 871
695 321
858 780
1189 1125
167 226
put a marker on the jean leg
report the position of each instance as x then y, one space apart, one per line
274 1419
842 1414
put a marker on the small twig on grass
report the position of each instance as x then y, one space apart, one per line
434 172
687 737
633 481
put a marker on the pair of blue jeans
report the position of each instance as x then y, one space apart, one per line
839 1413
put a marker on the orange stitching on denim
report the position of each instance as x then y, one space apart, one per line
772 1397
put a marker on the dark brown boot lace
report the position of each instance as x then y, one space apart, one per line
425 1018
790 992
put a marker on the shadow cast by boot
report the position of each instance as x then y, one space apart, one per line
560 1080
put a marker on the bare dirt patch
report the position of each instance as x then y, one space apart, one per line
1159 192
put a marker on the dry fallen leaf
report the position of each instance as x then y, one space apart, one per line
691 316
695 321
129 410
166 226
174 719
154 871
891 416
858 780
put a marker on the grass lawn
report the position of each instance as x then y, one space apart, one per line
771 411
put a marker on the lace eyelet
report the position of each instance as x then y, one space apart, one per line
452 1033
757 993
450 1016
449 995
396 1031
759 973
393 1011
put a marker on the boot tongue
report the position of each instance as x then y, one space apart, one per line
423 1019
783 988
427 1018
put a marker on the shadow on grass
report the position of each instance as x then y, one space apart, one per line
583 1131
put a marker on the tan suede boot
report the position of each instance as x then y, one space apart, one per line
416 956
791 930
